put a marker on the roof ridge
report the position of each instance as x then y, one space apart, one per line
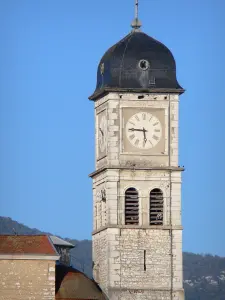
122 60
23 235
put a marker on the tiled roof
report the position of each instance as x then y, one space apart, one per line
26 244
71 284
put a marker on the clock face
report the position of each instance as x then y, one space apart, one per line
102 133
143 130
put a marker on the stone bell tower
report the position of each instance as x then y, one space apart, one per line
137 234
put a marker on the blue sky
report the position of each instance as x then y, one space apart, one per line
48 60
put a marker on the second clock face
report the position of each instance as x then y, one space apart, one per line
102 133
144 130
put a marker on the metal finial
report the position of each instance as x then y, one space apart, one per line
136 24
136 9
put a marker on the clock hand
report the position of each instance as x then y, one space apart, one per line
136 129
144 132
101 131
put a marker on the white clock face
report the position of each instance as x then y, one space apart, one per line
102 133
143 130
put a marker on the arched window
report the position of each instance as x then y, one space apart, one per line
131 207
156 207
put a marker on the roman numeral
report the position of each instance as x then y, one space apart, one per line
136 117
155 137
157 130
144 116
132 123
150 142
136 142
155 123
132 136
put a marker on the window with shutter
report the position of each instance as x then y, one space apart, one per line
156 207
131 207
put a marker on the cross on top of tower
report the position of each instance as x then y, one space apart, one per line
136 24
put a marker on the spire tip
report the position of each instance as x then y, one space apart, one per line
136 24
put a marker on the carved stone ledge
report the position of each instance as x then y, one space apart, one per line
152 227
164 168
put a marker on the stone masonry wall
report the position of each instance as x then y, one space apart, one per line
27 280
100 259
135 275
130 269
145 295
143 181
119 251
114 103
144 261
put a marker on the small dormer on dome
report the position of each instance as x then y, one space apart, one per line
137 63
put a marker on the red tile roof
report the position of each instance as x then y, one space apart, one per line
26 244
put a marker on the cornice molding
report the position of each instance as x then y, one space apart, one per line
105 91
152 227
28 257
178 169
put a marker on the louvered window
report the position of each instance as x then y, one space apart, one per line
131 207
156 207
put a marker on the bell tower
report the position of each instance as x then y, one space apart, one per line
137 230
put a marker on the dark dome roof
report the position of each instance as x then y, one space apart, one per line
137 63
72 284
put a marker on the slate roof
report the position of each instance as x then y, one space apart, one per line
60 242
71 284
119 69
26 244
